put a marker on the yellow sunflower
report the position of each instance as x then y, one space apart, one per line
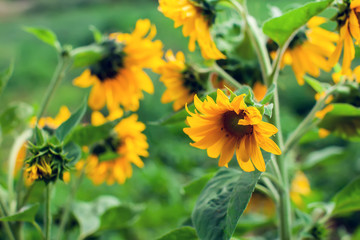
127 145
300 186
349 28
349 75
309 51
180 81
225 127
119 78
196 18
48 124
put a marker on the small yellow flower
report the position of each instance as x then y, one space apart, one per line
323 133
349 28
180 81
196 19
300 186
349 75
225 127
309 50
259 91
128 144
321 114
119 78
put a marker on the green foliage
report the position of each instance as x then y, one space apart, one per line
195 186
98 36
281 28
315 84
68 125
182 233
319 156
5 76
222 202
104 213
25 214
269 94
90 134
45 35
73 152
15 116
86 56
348 199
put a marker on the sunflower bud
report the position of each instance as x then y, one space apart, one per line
48 160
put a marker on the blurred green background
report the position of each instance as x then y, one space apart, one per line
172 162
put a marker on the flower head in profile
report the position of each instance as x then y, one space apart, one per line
118 78
110 160
196 17
224 127
49 125
348 23
310 49
181 81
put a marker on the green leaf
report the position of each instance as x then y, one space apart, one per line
108 156
5 76
73 152
45 35
25 214
315 84
87 135
348 199
269 94
121 216
98 37
195 186
39 136
86 56
14 116
64 129
344 109
316 157
281 28
182 233
88 213
222 202
268 109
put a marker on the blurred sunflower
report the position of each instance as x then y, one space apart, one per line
118 78
49 125
196 17
225 127
180 80
300 186
110 161
348 23
309 50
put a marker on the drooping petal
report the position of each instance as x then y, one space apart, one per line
256 155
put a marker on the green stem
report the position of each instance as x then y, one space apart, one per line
272 188
47 212
257 40
266 191
59 74
226 76
37 227
6 225
66 213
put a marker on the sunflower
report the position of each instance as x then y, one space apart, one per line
180 80
49 125
348 24
196 17
125 146
118 78
349 75
309 50
225 127
300 186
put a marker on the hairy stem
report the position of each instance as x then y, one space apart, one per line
47 212
6 226
226 76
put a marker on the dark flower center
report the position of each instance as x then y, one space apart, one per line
191 81
110 144
230 121
108 67
299 39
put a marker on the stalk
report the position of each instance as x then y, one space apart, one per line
226 76
47 212
6 225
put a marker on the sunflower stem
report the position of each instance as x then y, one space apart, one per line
227 76
266 191
272 188
66 213
6 225
59 74
47 212
37 227
256 38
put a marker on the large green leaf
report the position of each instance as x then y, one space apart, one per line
222 202
88 213
87 135
45 35
195 186
86 56
14 116
348 199
25 214
183 233
5 76
269 94
73 152
68 125
120 216
281 28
